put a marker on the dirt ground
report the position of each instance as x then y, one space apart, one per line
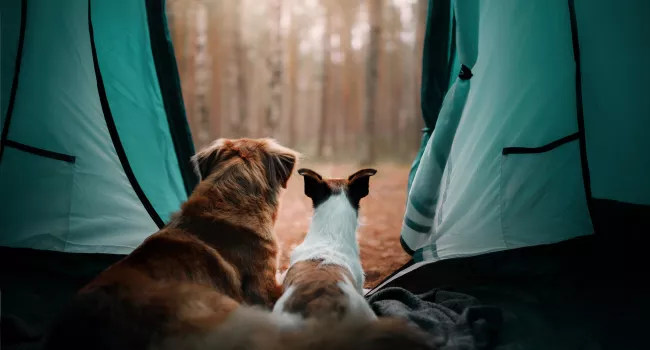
381 217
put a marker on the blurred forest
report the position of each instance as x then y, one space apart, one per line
338 80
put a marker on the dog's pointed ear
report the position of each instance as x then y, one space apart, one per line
205 160
282 161
315 188
359 183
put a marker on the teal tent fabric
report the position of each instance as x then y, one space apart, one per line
10 24
614 55
543 132
88 163
437 38
127 65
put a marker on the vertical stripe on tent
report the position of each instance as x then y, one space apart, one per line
112 129
435 71
14 84
579 107
452 53
164 58
435 61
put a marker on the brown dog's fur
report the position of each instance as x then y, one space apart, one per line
220 241
207 279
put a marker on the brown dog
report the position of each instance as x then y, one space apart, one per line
217 252
194 283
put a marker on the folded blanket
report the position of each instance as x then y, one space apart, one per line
455 321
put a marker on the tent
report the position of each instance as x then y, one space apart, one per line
531 189
539 138
94 147
89 108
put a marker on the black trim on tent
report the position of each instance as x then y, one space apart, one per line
400 269
112 129
405 246
546 148
580 111
14 84
41 152
170 89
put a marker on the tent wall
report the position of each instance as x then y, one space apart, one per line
615 51
88 163
127 67
503 168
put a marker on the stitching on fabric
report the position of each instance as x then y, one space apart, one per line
40 152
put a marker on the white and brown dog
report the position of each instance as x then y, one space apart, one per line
207 279
325 277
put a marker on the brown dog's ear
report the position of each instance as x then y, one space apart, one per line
315 188
281 162
205 160
359 183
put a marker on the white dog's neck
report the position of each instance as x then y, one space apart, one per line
332 236
335 220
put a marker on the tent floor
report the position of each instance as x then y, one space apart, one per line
568 295
586 293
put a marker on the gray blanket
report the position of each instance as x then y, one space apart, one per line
455 321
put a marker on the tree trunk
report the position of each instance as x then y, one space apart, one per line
292 77
274 108
396 81
215 36
334 110
240 122
349 87
417 122
369 115
325 71
338 93
384 99
202 77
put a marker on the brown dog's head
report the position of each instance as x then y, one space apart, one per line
245 166
320 190
254 155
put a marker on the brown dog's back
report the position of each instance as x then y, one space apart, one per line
131 304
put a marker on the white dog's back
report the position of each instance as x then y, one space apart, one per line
325 276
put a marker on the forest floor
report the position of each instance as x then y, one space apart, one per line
381 217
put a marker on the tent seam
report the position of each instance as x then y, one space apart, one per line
541 149
14 84
170 91
112 130
586 180
41 152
